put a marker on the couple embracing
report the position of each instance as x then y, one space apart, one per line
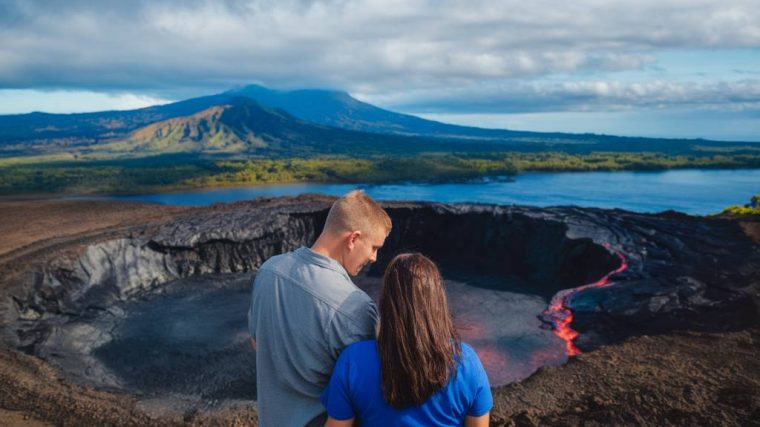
325 354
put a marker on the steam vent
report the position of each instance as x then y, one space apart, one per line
157 313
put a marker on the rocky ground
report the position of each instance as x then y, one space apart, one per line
688 379
675 378
29 222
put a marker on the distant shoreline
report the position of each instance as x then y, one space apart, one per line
181 173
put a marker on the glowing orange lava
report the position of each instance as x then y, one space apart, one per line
560 316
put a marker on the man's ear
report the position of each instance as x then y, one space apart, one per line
352 238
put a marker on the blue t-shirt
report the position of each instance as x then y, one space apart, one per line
354 391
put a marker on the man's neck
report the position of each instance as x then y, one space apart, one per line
322 250
325 246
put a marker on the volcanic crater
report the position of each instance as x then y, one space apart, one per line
124 312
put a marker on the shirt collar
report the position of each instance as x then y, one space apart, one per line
309 255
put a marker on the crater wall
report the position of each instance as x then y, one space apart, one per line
683 272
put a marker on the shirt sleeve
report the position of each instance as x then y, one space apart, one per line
336 398
261 287
254 306
357 323
482 401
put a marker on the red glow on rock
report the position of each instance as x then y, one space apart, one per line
469 330
560 315
498 362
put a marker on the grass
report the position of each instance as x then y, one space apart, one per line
753 208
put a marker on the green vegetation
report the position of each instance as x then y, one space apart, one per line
753 208
614 161
176 171
741 210
152 174
377 169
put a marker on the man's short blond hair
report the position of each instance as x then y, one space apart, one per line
357 211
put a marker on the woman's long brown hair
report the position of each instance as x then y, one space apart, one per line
418 345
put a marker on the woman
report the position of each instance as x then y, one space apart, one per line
417 372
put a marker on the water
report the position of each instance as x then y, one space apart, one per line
693 191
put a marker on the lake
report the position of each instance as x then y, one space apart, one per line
693 191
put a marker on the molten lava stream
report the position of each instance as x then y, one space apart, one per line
560 315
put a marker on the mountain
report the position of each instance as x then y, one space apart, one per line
317 119
341 110
207 130
95 126
330 108
242 125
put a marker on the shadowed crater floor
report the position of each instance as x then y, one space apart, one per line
191 338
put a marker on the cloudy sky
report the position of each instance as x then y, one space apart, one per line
681 68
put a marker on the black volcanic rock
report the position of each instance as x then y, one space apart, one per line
683 272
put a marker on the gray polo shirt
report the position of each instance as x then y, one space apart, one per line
304 311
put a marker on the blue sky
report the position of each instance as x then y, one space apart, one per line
671 68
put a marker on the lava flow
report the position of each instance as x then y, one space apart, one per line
559 314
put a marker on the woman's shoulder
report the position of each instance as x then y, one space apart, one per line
360 349
470 357
467 350
360 355
471 367
363 345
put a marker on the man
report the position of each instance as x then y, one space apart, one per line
305 309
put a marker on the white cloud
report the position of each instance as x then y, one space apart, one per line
419 56
375 45
671 123
61 101
583 95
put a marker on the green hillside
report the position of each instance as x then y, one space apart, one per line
243 127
